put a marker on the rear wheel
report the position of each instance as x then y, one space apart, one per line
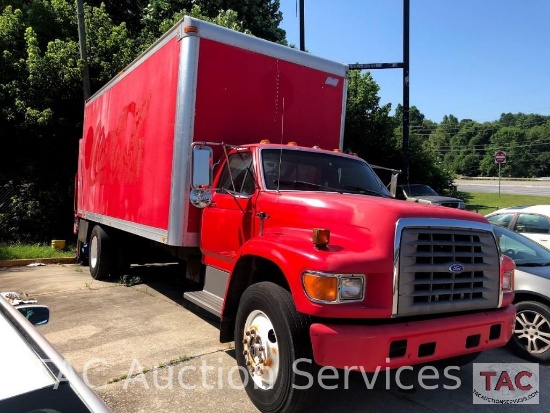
100 254
531 337
273 350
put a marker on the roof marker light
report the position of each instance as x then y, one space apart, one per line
292 143
321 237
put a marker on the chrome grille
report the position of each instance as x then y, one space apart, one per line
445 269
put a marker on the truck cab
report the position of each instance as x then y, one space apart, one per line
305 247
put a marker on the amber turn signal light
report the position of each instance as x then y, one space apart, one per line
321 288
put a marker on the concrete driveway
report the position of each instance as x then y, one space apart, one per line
143 351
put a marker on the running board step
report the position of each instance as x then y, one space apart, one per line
207 301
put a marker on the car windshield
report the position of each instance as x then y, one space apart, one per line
419 190
524 251
295 169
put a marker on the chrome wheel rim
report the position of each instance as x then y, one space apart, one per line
532 330
93 252
261 350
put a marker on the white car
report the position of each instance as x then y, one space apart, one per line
34 377
531 221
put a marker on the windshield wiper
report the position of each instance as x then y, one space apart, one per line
362 190
279 182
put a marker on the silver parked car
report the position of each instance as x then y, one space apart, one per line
531 338
424 194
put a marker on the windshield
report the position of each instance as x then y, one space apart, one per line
294 169
419 190
522 250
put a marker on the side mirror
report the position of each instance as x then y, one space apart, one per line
37 314
201 175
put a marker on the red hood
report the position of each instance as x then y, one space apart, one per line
362 225
314 209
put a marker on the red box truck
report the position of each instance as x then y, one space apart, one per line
224 151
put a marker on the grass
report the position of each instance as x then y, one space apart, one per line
31 251
485 203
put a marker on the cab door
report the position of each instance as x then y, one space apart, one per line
228 222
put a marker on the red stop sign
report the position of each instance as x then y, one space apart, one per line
500 157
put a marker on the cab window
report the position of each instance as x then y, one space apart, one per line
237 176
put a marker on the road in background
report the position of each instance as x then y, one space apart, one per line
537 188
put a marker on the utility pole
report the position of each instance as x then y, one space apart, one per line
398 65
83 54
406 12
302 29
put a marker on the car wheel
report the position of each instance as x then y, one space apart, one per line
270 339
100 259
531 337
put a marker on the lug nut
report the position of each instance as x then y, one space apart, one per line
245 352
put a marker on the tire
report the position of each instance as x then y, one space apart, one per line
531 337
100 254
270 335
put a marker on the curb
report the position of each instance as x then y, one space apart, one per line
20 263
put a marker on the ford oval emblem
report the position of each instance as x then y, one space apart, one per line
456 268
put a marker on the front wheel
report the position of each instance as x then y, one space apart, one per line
531 337
273 350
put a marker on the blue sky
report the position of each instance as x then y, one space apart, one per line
474 59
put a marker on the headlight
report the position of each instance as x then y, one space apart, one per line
333 288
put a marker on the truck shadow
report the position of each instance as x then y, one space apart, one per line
168 280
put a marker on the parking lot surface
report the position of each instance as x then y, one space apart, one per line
143 350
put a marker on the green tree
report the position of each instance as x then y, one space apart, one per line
519 161
369 127
41 105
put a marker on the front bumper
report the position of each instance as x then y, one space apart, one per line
403 344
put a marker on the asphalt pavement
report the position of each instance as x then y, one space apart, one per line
533 187
142 350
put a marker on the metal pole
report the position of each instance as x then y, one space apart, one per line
302 30
83 55
499 179
406 12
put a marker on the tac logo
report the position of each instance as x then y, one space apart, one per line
505 383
